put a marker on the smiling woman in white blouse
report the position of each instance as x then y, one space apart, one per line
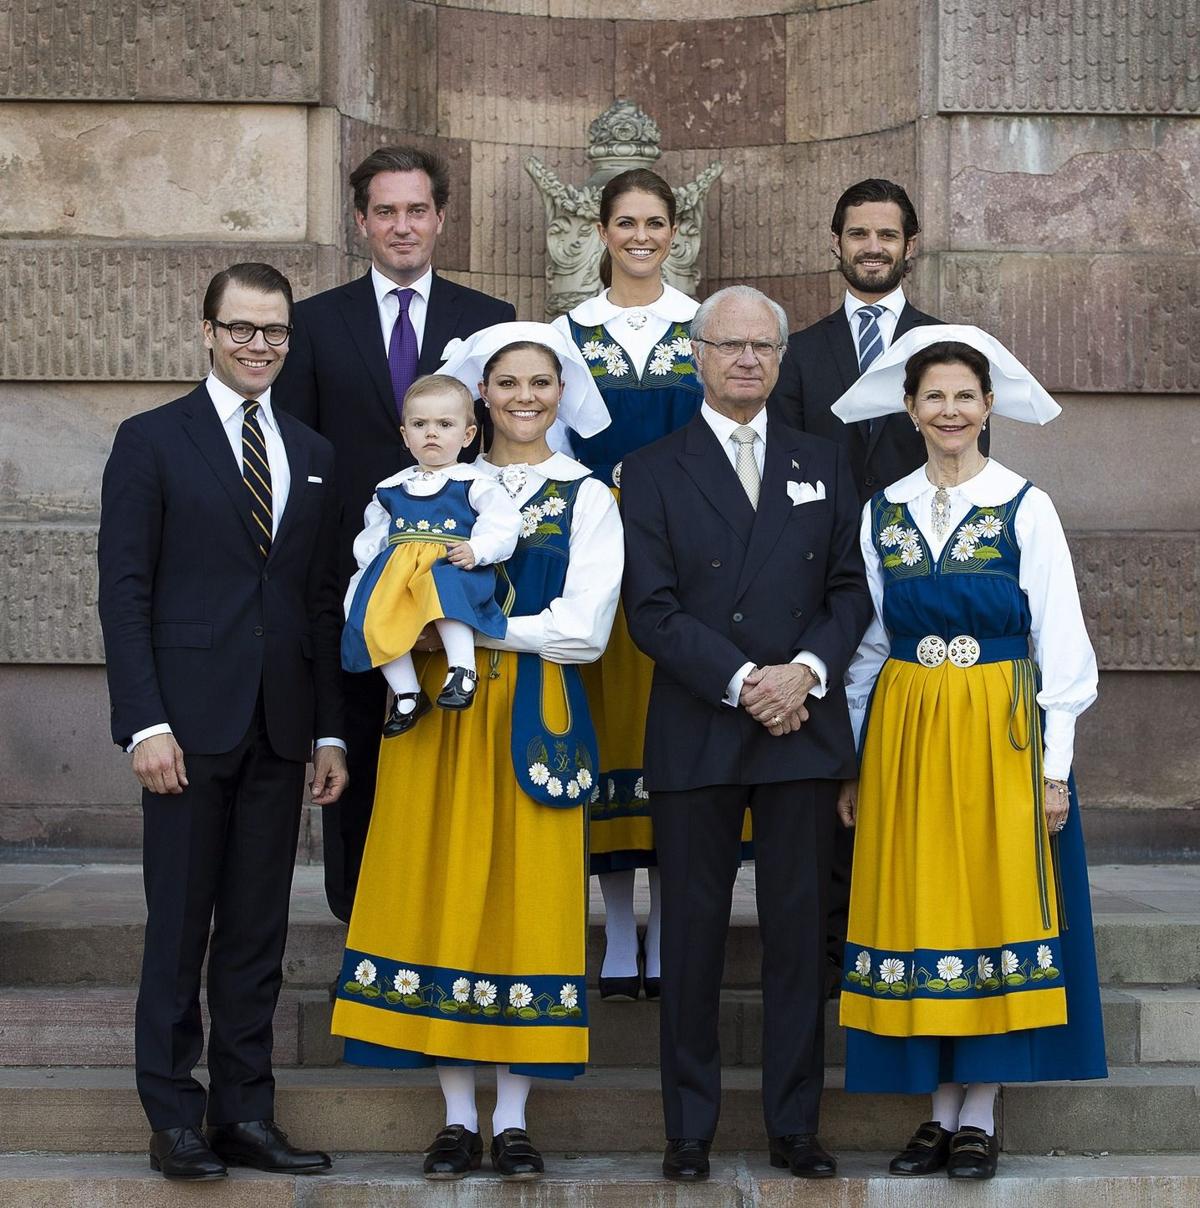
467 942
970 959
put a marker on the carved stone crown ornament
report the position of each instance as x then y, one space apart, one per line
622 137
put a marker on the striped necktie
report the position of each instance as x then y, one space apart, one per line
747 463
256 474
870 338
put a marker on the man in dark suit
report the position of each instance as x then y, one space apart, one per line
875 232
745 585
221 617
355 351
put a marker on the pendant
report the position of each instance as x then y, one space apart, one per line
941 512
637 319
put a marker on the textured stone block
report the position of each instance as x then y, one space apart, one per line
1072 56
359 139
1074 184
1170 1021
173 50
119 171
122 311
499 74
1084 323
386 57
1139 594
852 69
714 83
50 588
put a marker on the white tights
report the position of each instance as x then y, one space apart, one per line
972 1105
459 641
458 1089
620 925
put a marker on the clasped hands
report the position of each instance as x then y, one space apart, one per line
774 696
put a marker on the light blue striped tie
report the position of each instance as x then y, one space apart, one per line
870 338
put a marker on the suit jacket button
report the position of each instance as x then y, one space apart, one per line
715 562
872 482
258 631
797 612
808 557
737 616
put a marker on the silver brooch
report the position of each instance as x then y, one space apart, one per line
513 479
637 319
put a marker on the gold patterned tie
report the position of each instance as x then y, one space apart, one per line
747 463
256 474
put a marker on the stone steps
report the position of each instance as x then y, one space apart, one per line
742 1180
59 948
93 1026
1137 1110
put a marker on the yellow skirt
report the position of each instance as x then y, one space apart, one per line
953 927
471 910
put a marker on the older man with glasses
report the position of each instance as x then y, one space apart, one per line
745 585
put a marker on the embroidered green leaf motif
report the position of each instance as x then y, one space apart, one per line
881 987
392 996
959 983
448 1006
1015 979
527 1012
899 989
936 984
492 1010
575 1012
558 1011
413 1000
1050 973
555 528
891 560
991 983
352 987
986 552
370 992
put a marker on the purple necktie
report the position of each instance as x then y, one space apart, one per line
402 350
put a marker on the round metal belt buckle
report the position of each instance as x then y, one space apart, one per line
931 651
963 651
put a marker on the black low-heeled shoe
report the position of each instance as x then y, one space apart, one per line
926 1151
973 1154
651 986
455 1151
455 695
686 1160
514 1156
400 723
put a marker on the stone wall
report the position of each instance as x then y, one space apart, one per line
1053 153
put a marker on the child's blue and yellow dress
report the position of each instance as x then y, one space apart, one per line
644 407
970 955
468 937
410 582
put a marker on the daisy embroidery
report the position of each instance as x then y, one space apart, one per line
862 963
949 967
984 968
681 346
963 550
572 789
423 525
569 995
406 981
584 777
449 525
554 506
891 970
554 786
485 993
593 350
520 995
1045 957
910 555
365 973
662 361
1008 962
461 990
539 773
988 526
891 536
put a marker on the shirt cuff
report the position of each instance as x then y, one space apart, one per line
734 692
329 742
1058 739
818 668
148 732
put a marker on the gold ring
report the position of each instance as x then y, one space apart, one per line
776 720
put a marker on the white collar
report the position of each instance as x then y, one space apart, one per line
893 302
993 485
558 466
723 426
228 401
384 285
459 470
671 306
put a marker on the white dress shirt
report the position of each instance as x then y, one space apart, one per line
723 428
574 627
892 304
1062 649
389 304
228 405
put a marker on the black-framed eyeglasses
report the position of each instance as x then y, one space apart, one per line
242 333
762 349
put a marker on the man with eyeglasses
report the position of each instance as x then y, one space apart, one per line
221 611
744 583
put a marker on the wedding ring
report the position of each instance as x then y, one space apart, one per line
776 720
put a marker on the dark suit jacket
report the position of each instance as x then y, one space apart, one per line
821 364
194 620
336 380
711 584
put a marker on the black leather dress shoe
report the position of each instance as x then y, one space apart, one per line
802 1154
651 986
686 1160
182 1153
926 1151
263 1145
400 723
455 1151
514 1157
456 695
973 1154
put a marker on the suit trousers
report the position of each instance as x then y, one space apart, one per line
698 837
221 853
344 826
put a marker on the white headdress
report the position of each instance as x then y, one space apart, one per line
880 391
581 409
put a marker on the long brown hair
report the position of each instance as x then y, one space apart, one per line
635 180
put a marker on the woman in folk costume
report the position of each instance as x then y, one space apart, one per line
467 942
635 336
970 959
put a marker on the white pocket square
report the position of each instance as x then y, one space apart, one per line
805 492
315 478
